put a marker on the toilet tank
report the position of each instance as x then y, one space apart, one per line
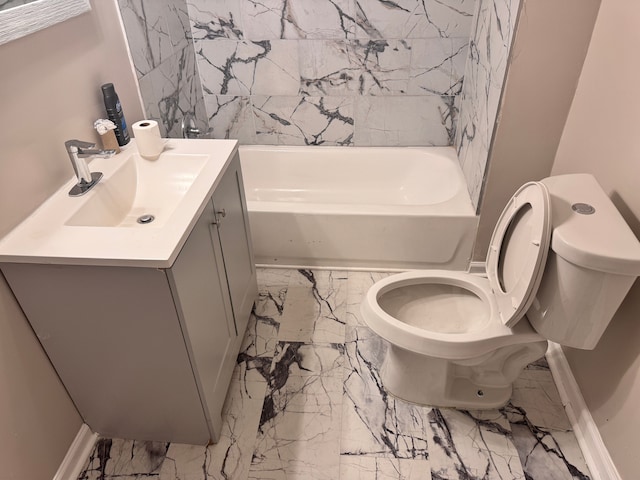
594 260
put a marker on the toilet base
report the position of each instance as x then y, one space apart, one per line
476 383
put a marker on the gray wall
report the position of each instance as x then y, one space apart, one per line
50 93
546 61
601 137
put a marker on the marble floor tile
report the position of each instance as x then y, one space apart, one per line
546 452
542 453
568 445
315 306
257 350
270 301
535 391
273 277
357 285
231 456
306 401
299 430
472 445
373 421
185 462
116 458
311 278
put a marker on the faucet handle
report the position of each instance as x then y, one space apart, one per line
78 144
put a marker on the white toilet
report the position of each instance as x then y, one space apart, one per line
560 262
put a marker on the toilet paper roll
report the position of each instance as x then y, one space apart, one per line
148 139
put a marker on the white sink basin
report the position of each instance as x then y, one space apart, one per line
101 227
140 187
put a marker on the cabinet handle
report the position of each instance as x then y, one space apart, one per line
218 215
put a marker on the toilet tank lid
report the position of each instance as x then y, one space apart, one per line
588 230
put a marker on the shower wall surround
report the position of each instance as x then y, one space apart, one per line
332 72
328 72
159 37
490 46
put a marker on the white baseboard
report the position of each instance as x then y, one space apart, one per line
593 448
77 454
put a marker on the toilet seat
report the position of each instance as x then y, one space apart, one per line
515 264
518 251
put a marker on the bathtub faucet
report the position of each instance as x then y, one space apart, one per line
78 151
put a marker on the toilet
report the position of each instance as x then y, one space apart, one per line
560 262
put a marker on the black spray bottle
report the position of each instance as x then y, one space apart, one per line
115 114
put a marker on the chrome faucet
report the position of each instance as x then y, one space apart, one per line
78 151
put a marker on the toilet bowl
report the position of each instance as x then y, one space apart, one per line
460 340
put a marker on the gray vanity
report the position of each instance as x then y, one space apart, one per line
143 327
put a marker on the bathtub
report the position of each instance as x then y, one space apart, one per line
358 207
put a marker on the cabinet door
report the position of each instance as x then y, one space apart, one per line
200 290
235 239
113 336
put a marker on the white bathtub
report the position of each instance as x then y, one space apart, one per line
358 207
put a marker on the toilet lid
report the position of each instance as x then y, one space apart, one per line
518 251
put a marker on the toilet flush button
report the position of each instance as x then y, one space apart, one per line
583 208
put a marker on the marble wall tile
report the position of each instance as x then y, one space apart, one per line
177 17
384 66
307 49
413 19
489 50
237 67
172 90
211 19
432 67
147 33
460 52
328 67
403 120
155 30
231 117
296 19
283 56
159 36
379 468
296 120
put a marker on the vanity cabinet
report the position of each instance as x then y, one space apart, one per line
148 353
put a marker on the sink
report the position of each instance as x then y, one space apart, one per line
102 228
138 188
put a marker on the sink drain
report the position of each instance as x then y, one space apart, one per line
143 219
